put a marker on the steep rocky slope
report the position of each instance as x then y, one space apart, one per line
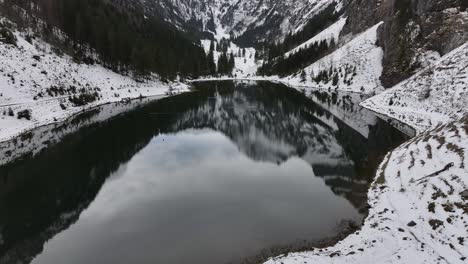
413 30
247 20
412 35
434 96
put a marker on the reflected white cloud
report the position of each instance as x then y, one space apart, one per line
193 197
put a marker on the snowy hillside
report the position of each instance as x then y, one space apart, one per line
277 18
38 87
354 67
249 19
245 64
46 136
329 34
418 206
433 96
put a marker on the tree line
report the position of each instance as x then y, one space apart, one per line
273 53
124 38
285 65
315 25
226 61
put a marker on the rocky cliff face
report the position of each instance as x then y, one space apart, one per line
414 33
252 21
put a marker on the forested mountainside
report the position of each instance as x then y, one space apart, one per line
248 21
350 45
163 36
121 36
413 34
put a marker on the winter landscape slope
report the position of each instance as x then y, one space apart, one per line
245 63
433 96
415 33
246 19
331 33
33 77
357 66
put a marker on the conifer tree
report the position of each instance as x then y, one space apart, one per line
303 76
211 63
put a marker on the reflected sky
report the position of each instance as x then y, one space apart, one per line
212 176
193 197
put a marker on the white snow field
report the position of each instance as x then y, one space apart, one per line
435 95
419 206
30 69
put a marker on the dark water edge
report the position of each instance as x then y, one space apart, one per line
75 193
264 255
35 140
349 102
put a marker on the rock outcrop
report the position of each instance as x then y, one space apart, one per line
413 31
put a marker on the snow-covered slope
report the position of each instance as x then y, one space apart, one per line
33 77
357 66
271 19
250 19
329 34
245 64
435 95
419 206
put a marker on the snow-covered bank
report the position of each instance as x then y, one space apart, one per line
419 206
435 95
33 77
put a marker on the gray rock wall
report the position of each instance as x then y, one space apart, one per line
411 28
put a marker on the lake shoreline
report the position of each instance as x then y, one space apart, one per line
398 226
326 248
148 131
65 116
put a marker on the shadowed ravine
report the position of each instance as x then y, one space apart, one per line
218 174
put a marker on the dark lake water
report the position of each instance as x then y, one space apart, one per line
212 176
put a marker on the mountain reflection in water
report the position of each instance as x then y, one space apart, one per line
205 177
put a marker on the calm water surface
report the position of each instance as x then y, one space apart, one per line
212 176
